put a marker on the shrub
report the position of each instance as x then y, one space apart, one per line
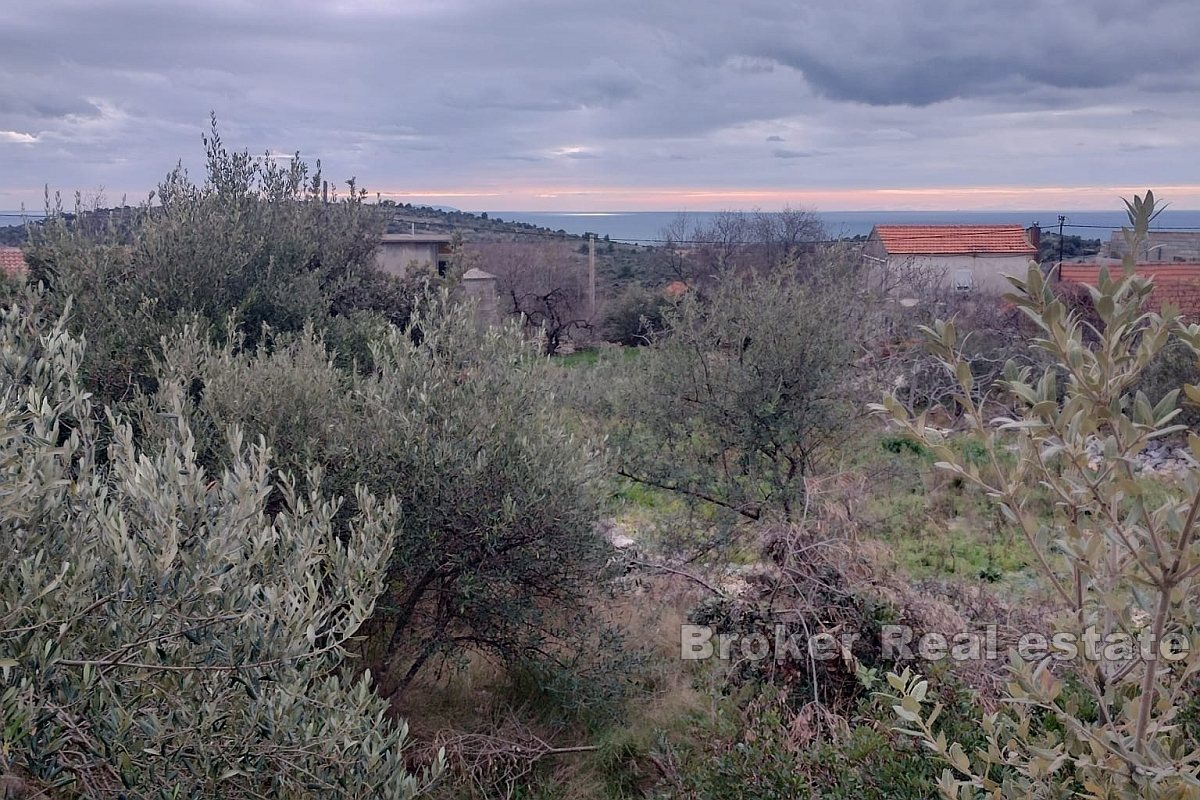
772 755
634 317
744 390
257 238
1121 562
1174 366
496 548
162 632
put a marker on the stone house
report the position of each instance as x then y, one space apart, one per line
1160 246
970 259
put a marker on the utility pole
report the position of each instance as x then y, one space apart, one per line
1061 221
592 276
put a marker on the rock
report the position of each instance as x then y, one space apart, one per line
618 535
621 542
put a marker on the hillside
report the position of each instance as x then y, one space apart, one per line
616 262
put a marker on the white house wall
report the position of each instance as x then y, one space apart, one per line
987 271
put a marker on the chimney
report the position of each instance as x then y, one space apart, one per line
1034 232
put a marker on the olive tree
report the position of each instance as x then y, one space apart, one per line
496 550
1119 553
262 238
744 389
167 630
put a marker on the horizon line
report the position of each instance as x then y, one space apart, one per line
615 199
937 199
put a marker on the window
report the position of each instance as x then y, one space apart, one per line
962 280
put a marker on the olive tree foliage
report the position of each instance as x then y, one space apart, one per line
261 237
1119 553
162 633
745 388
991 336
496 550
633 316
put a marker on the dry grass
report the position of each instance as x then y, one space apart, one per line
502 741
499 742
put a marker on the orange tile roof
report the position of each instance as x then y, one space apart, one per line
1175 283
954 239
12 261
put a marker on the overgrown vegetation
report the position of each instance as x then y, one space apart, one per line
283 525
494 548
259 242
1121 563
168 631
745 389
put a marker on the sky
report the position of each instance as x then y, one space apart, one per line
617 105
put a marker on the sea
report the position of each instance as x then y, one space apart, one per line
648 226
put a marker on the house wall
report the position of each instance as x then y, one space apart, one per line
1160 246
987 271
396 257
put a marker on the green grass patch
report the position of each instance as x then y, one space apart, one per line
962 548
645 498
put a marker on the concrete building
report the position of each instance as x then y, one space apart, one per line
480 287
401 252
1159 246
967 258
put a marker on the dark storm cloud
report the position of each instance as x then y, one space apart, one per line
492 93
917 52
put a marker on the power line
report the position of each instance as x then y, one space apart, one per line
1118 227
582 237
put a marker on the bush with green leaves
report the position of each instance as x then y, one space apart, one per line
773 755
1174 366
1121 562
170 631
745 389
497 550
259 238
634 316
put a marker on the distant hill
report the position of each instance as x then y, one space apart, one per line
12 235
472 227
616 262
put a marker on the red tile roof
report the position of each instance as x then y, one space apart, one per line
1175 283
954 239
12 261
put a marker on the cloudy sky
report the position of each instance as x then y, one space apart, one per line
621 104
